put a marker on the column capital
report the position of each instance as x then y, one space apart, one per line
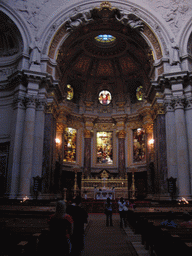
179 102
41 104
30 101
159 109
61 127
169 105
19 102
188 103
87 134
121 134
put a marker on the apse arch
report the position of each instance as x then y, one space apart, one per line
159 33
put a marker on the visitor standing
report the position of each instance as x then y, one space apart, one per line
108 212
122 212
61 230
80 217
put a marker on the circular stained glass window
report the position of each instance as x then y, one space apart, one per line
105 38
104 97
139 93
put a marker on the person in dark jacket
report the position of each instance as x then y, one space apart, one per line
80 217
108 212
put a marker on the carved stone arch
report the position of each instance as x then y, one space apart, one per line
154 34
185 39
21 25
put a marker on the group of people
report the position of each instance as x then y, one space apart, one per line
67 228
170 222
123 208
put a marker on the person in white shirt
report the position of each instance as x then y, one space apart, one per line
122 212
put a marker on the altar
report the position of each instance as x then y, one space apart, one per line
102 194
104 186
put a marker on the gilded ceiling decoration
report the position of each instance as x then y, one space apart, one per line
121 59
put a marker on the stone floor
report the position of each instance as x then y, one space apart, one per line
109 241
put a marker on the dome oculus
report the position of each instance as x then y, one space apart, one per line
105 38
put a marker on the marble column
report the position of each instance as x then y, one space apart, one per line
38 138
48 152
188 111
149 156
121 153
170 138
160 155
27 148
182 149
15 146
87 152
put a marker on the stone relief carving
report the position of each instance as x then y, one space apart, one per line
35 12
78 20
132 20
174 12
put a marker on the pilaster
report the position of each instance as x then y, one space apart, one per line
182 148
15 145
27 148
171 138
188 111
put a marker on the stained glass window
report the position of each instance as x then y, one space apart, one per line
139 93
105 38
69 92
70 137
105 147
139 145
104 97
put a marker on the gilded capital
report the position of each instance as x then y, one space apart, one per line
121 134
87 133
61 127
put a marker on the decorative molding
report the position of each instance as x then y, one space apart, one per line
104 126
154 41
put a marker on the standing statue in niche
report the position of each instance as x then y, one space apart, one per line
175 54
35 52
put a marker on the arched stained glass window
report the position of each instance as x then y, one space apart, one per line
69 92
105 38
70 137
139 93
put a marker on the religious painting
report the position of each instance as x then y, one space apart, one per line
139 148
105 147
105 97
70 145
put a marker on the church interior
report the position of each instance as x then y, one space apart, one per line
94 107
96 101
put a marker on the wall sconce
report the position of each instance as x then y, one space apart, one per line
57 141
151 142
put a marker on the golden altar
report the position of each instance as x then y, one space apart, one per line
104 186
